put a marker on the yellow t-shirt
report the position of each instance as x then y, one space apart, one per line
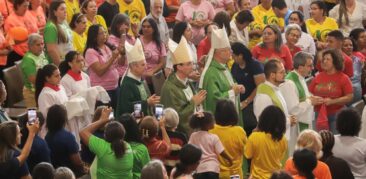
320 31
266 154
100 20
79 42
234 139
135 10
71 9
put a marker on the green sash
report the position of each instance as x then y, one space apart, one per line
268 90
295 78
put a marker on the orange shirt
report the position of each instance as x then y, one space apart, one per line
321 170
171 16
6 8
3 45
27 21
39 15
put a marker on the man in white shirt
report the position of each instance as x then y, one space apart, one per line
156 13
239 27
268 93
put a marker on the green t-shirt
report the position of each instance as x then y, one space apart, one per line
50 37
140 158
30 65
108 165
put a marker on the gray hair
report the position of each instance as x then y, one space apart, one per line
153 170
300 59
33 38
171 117
291 27
64 173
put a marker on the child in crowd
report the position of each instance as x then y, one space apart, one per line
305 162
189 159
210 145
43 170
177 139
149 127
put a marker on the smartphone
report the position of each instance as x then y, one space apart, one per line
32 116
234 176
137 110
159 111
111 115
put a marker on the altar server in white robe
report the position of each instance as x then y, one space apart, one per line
49 91
299 100
73 79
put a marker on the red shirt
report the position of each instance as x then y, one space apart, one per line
158 149
331 86
295 50
203 48
265 54
347 63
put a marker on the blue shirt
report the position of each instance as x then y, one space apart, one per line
245 76
11 169
39 153
62 145
287 16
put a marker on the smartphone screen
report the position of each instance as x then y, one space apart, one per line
111 115
159 111
32 116
137 110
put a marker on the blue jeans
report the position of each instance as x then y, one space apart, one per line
331 122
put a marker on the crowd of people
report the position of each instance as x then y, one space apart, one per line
184 89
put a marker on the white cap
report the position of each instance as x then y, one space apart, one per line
180 52
134 53
219 39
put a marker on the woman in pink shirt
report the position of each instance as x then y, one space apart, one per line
198 13
154 49
119 33
21 17
101 60
272 47
38 13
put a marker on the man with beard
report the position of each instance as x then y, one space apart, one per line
156 13
268 93
177 92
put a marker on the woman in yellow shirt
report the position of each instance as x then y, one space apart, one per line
267 145
89 8
233 138
319 25
78 26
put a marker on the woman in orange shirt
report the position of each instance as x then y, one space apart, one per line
21 17
36 9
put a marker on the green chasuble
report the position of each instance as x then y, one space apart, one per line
267 90
173 96
131 92
295 78
217 86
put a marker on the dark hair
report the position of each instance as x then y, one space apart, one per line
348 122
91 41
17 3
208 25
56 118
240 49
336 34
178 31
354 44
225 113
337 58
64 65
84 6
76 18
305 162
271 67
8 137
42 73
55 4
189 155
222 19
301 17
132 129
117 21
355 34
321 5
244 16
156 33
273 121
328 143
148 128
201 122
278 42
43 170
281 174
114 133
279 4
